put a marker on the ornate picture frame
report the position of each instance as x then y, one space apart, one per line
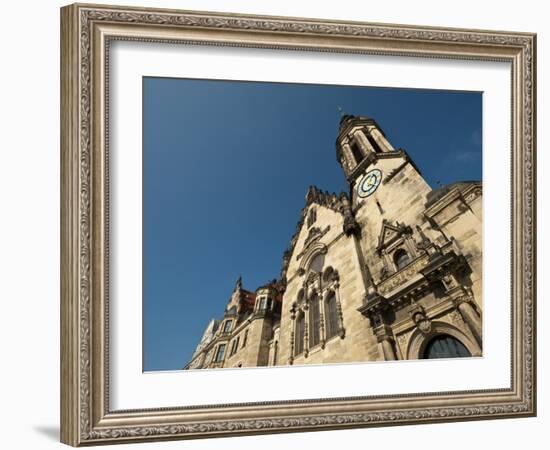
87 32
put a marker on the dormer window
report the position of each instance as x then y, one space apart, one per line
227 326
264 304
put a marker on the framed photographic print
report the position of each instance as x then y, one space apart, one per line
276 225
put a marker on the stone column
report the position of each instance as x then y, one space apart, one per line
306 330
366 146
341 329
384 337
471 317
322 331
387 348
348 157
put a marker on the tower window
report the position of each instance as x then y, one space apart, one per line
401 259
245 338
374 144
356 151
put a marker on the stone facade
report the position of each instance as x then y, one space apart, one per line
390 271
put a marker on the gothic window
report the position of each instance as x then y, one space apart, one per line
299 336
401 259
331 316
312 217
245 338
220 353
356 151
445 346
314 321
227 326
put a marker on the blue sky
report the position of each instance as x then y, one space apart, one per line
226 166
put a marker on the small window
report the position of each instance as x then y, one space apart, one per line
401 259
245 338
234 346
220 353
227 326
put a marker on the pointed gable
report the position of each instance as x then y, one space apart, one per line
390 233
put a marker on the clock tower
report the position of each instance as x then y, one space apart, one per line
373 168
386 188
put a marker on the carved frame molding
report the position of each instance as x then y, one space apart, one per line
86 31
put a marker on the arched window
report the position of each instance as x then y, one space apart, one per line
314 321
299 336
445 346
401 259
331 316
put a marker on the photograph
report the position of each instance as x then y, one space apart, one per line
290 224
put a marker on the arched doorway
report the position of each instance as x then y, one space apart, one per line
445 346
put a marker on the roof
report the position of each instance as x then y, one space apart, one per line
437 194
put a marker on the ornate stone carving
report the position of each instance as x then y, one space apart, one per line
403 276
422 322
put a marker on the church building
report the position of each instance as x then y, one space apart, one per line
389 270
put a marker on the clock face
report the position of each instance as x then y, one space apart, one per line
369 183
